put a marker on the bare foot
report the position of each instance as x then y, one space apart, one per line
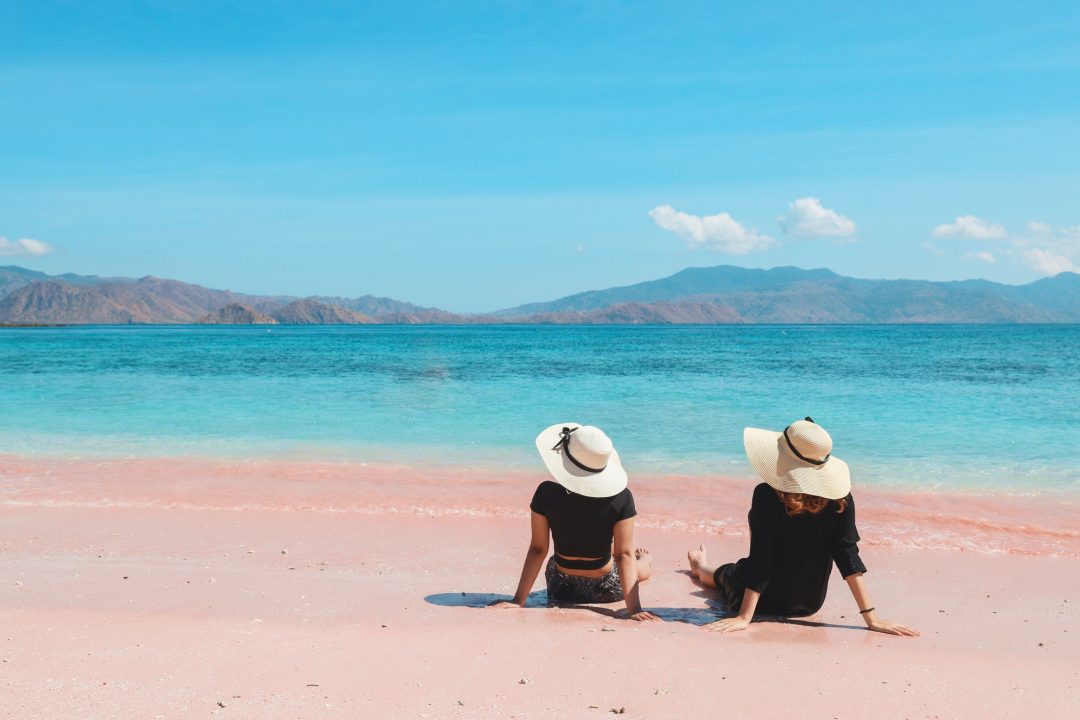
697 559
644 564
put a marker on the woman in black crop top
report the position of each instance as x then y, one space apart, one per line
589 512
802 522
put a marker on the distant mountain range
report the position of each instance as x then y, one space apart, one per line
715 295
31 297
792 295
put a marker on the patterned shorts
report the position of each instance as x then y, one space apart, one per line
566 589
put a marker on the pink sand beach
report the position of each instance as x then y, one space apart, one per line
180 588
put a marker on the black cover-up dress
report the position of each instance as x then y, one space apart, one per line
791 557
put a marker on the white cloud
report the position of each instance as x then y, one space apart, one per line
719 232
807 218
24 246
1048 262
1048 250
1041 246
971 227
933 248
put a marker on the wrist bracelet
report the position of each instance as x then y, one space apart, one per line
869 609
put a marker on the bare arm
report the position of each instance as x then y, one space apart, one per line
761 565
534 559
742 620
624 558
862 599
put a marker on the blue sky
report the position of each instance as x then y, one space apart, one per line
476 155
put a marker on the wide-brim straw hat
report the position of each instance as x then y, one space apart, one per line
798 460
582 459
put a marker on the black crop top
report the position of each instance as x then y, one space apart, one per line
582 526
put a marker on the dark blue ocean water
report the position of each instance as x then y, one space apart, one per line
936 406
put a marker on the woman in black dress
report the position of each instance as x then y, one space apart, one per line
589 511
802 522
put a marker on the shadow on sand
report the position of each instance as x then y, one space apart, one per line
714 609
694 616
537 599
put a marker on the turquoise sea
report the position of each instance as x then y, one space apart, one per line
942 407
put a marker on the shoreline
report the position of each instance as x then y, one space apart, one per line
1039 524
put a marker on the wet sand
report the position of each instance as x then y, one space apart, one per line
182 588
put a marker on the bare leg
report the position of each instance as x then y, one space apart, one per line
644 564
700 569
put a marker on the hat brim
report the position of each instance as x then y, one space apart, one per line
609 482
777 465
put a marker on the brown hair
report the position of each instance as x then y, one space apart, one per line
799 503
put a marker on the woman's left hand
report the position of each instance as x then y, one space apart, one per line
642 616
891 628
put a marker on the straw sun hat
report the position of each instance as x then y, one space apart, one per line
582 459
798 460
